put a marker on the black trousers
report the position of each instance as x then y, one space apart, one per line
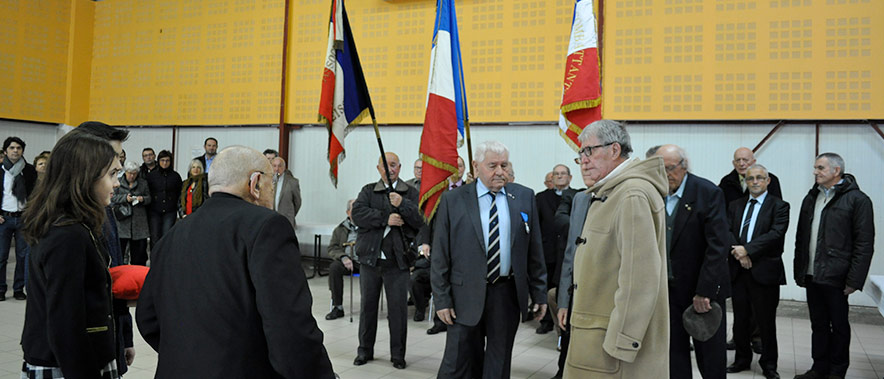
750 297
711 354
486 349
395 284
830 329
336 271
137 250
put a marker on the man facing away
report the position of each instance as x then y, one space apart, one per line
758 224
487 260
834 244
287 191
226 296
388 220
620 313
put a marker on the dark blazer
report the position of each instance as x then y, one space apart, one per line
202 158
547 204
458 254
730 185
68 318
165 190
577 218
226 297
700 241
766 248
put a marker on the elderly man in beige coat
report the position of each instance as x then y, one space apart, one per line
620 315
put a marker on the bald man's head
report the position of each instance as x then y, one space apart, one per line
243 172
393 163
278 165
743 158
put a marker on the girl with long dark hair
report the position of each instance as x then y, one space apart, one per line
69 327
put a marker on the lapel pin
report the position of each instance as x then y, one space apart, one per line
687 206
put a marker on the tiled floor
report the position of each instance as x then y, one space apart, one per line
534 356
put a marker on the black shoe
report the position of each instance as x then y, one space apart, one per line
361 360
437 328
335 313
810 374
737 367
19 295
544 328
2 297
398 363
418 315
771 374
731 345
756 346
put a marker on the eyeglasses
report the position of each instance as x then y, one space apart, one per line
674 167
586 151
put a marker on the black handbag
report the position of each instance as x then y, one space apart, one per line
122 211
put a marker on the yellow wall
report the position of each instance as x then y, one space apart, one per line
513 56
207 62
743 59
192 62
34 37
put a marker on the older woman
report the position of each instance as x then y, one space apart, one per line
194 190
69 327
133 193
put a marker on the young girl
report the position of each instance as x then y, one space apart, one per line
69 328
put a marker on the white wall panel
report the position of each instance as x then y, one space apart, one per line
536 149
37 137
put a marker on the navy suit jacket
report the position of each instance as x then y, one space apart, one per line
459 262
700 242
766 248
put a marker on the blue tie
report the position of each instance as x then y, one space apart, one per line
493 242
744 232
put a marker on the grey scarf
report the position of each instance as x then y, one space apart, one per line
18 185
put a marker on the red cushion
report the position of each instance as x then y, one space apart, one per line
127 281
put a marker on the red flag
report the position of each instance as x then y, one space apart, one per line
581 90
446 115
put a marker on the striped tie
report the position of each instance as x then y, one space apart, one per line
744 232
493 242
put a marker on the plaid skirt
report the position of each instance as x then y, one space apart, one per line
29 371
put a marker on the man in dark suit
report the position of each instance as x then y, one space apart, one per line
225 296
734 183
735 187
388 219
698 245
210 145
547 203
287 196
487 260
758 223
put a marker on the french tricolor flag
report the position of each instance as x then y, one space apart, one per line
581 89
447 115
344 101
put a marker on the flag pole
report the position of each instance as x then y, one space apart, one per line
377 133
469 148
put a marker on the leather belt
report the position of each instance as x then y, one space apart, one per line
501 279
10 214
